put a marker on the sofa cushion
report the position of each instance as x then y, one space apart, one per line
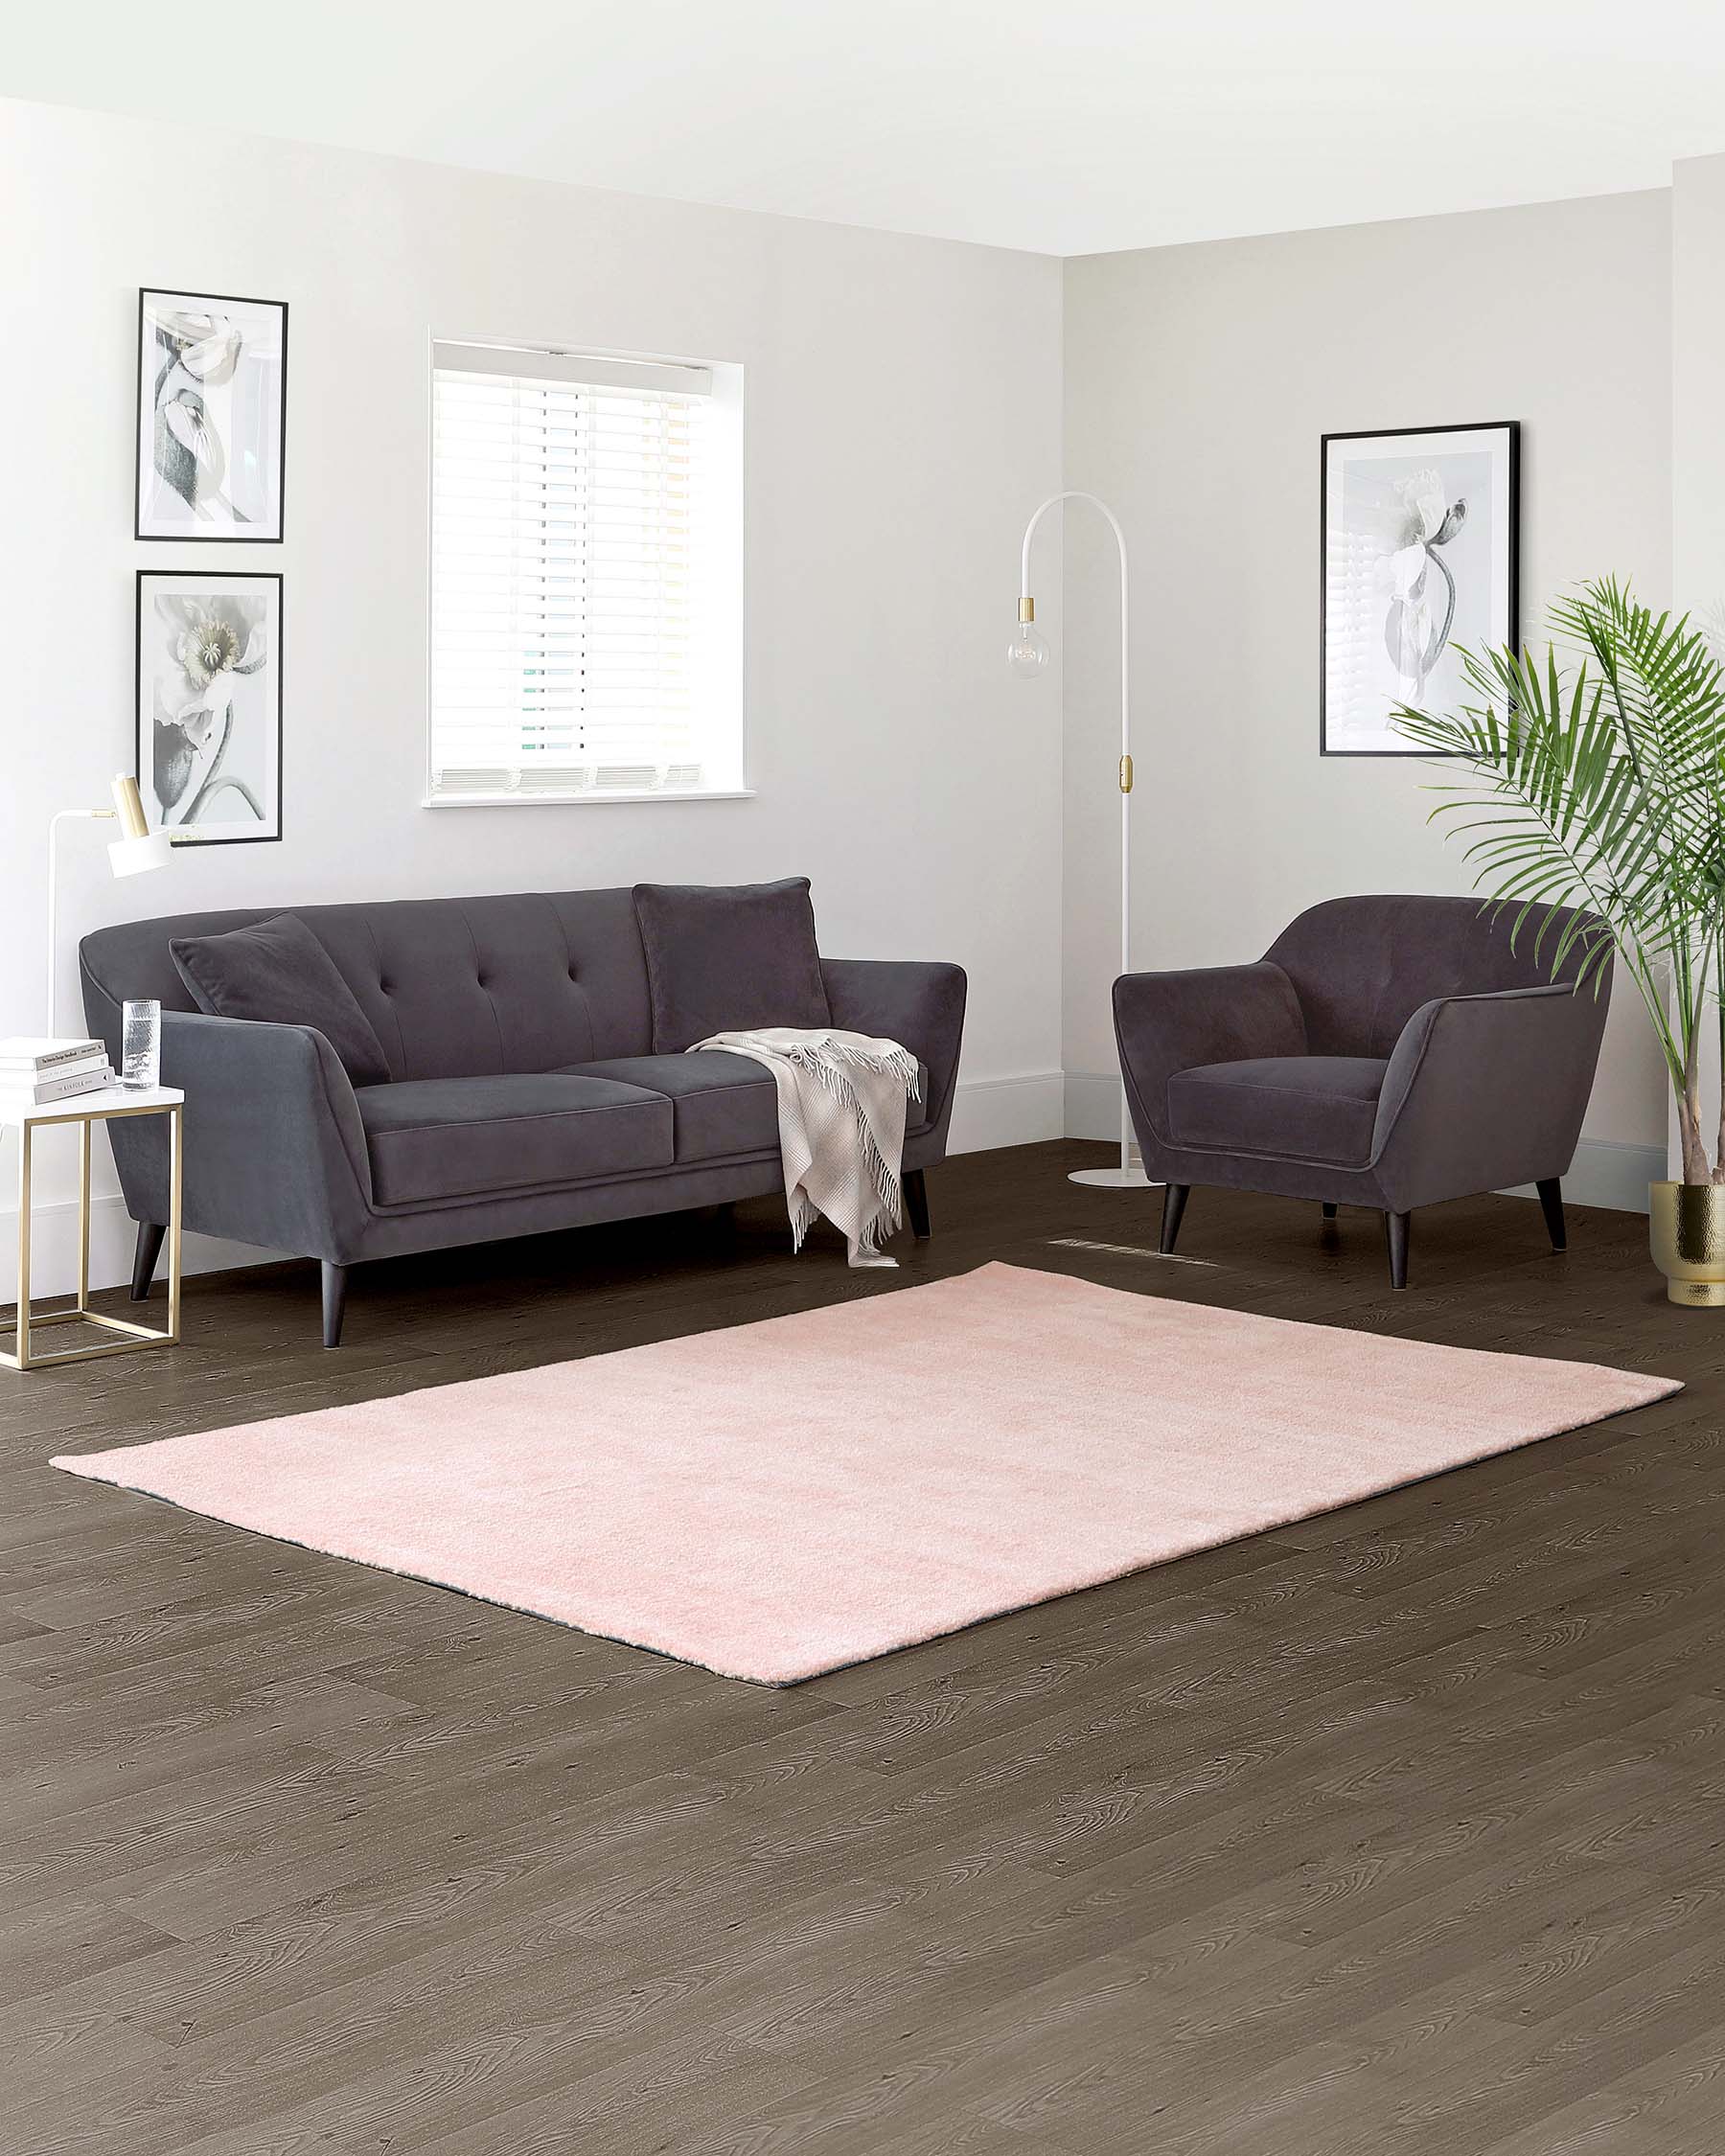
720 1104
725 958
723 1104
1304 1108
277 971
462 1138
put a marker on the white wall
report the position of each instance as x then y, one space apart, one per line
904 414
1198 381
1699 474
903 417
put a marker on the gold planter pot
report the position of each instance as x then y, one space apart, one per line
1686 1229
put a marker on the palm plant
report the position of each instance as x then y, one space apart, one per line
1597 782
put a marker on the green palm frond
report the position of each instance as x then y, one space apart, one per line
1593 777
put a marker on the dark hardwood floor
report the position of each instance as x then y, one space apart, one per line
1399 1831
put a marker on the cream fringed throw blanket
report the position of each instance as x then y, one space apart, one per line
842 1102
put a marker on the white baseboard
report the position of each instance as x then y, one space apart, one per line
1603 1173
1607 1172
988 1112
1093 1105
54 1248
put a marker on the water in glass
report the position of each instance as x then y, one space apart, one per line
141 1046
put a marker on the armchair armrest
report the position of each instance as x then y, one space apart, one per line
920 1005
1484 1092
1165 1023
275 1150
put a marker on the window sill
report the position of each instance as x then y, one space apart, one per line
592 800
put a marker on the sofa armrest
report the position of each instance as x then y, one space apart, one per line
1484 1091
919 1004
1165 1023
275 1150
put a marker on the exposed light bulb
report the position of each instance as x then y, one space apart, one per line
1028 653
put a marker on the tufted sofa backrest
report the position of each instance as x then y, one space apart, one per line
456 988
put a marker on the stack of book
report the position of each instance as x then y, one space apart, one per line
36 1073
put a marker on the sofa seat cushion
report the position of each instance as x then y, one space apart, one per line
1304 1108
723 1105
463 1137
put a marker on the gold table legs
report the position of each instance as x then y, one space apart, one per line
29 1357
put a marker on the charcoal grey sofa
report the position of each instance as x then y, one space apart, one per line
522 1094
1385 1051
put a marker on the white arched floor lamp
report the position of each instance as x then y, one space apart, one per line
1028 655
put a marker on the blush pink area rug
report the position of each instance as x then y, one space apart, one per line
793 1496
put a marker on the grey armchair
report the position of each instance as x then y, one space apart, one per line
1388 1052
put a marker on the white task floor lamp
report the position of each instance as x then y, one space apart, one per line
1028 655
135 851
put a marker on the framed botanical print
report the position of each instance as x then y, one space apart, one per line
1419 559
212 416
210 704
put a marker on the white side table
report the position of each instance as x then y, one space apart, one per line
112 1104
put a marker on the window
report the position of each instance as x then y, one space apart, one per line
586 577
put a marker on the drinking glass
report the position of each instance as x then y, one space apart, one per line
141 1046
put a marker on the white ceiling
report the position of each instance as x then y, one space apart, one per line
1068 128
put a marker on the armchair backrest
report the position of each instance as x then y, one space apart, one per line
1361 967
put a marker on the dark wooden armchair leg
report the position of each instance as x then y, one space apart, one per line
1550 1201
144 1258
1329 1212
916 1203
1398 1223
1174 1198
334 1302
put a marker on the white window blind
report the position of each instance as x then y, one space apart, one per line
571 580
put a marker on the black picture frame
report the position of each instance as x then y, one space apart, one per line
1510 430
142 768
233 534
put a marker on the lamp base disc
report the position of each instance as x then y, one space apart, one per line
1113 1179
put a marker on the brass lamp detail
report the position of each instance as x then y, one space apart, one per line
130 809
1027 654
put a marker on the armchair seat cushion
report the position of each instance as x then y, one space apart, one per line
460 1138
1310 1108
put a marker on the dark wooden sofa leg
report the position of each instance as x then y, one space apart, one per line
1174 1198
1398 1223
144 1258
1550 1201
334 1302
916 1203
1329 1212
